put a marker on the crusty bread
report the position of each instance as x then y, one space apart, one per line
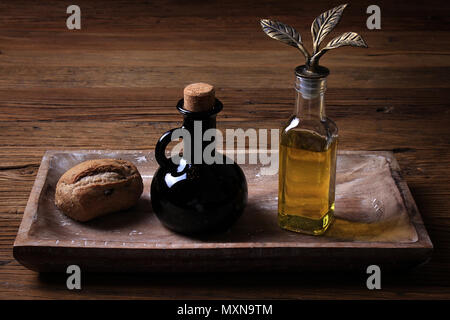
97 187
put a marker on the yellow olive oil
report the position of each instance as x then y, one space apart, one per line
308 143
306 181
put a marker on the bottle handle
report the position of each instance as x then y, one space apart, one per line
160 150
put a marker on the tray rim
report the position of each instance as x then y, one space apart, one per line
23 241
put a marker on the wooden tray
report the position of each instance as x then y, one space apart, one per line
378 223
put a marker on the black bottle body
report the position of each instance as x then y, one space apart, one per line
197 198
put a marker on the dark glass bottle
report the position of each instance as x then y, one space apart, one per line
195 196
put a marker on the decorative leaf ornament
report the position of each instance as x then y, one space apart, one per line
284 33
320 28
347 39
324 24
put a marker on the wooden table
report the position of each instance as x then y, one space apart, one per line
114 85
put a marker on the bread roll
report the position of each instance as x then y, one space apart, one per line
97 187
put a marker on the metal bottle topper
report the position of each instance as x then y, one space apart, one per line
320 28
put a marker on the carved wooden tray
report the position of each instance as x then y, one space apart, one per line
377 223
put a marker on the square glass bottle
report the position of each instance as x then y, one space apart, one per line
308 144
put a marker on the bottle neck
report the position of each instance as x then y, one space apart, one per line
194 147
310 98
198 126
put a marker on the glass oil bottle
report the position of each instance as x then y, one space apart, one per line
192 195
308 142
307 170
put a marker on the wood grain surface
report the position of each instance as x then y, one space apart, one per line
114 85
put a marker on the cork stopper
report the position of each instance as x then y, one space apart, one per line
199 97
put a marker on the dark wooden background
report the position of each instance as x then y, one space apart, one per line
114 85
